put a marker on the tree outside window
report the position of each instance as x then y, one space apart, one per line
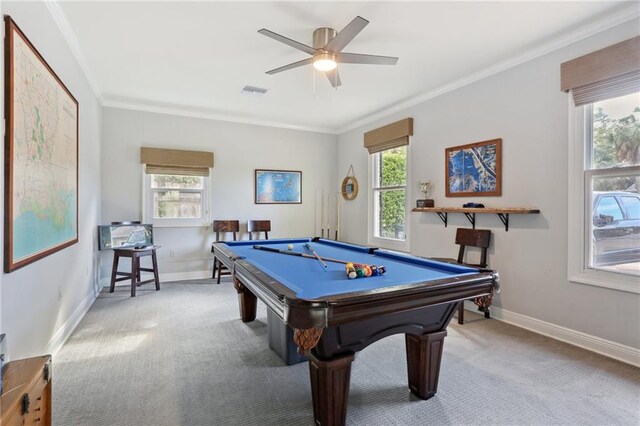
389 193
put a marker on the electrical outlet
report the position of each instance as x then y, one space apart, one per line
172 253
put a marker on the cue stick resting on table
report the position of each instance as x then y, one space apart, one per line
295 253
308 246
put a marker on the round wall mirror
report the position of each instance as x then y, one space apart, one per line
349 187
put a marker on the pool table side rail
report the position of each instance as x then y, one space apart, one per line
346 307
410 296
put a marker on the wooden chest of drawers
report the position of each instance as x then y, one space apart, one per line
26 397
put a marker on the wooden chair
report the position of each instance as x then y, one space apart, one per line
480 238
223 226
259 226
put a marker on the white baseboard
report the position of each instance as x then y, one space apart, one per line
63 333
614 350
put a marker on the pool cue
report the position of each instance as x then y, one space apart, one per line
337 215
308 246
322 214
295 253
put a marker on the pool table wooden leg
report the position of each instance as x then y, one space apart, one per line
248 301
330 388
424 354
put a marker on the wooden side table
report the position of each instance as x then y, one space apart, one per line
26 397
135 254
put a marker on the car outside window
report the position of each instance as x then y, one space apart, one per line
608 206
632 206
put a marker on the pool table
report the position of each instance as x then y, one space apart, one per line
334 317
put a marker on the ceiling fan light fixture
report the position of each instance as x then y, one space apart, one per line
325 62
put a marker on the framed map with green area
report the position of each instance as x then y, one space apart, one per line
278 187
41 156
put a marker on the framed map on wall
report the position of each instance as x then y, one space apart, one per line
41 156
278 187
474 169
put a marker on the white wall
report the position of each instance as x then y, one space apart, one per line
525 107
35 319
238 150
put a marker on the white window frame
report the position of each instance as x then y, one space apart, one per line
372 239
147 206
580 210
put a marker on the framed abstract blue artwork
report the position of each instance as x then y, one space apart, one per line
278 187
474 169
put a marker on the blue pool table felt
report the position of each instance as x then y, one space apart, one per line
310 280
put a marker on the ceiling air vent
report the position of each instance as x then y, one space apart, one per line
253 91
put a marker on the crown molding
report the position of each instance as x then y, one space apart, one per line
610 21
183 111
72 41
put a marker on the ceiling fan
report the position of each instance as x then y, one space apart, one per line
327 50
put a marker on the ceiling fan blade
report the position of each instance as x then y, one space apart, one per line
357 58
282 39
346 35
334 78
291 66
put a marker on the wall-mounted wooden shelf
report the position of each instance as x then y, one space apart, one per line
470 213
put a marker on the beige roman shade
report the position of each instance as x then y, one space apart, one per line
606 73
390 136
162 161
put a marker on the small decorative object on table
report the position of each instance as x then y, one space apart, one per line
425 187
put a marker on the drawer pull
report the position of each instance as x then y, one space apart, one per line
37 420
39 398
37 409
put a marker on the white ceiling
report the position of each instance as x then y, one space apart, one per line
197 56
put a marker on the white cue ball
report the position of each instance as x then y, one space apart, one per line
290 246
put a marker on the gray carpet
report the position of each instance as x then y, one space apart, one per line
181 356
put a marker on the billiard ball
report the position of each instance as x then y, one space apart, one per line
290 246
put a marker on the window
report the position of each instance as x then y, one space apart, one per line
604 165
609 132
613 184
389 198
176 200
176 186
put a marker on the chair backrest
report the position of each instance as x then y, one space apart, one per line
259 226
474 238
226 226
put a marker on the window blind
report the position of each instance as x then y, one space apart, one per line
606 73
176 162
390 136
